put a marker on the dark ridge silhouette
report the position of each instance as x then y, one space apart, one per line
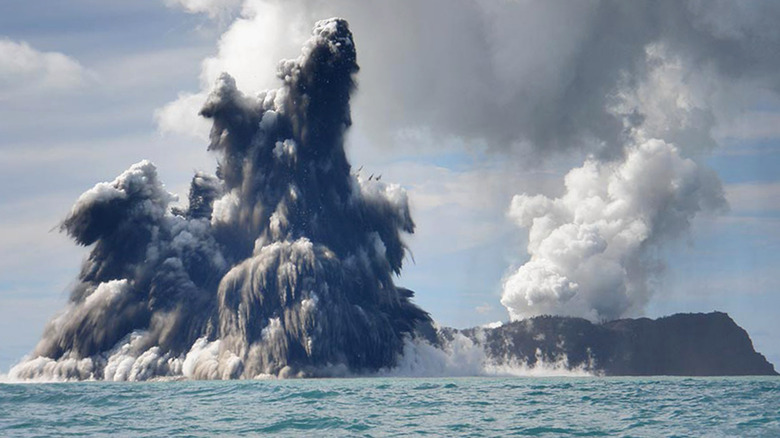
692 344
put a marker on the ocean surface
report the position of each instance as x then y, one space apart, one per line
479 406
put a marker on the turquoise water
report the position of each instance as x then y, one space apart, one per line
397 407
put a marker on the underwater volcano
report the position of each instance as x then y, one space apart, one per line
282 264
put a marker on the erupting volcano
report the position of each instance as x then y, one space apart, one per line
282 264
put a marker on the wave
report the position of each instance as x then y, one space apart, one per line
206 360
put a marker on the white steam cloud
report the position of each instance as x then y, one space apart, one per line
592 249
588 248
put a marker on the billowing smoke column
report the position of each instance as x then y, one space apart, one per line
589 247
593 249
282 264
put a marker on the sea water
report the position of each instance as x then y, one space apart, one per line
517 406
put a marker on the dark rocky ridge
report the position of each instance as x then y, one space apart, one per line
693 344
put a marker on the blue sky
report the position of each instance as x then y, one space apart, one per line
67 125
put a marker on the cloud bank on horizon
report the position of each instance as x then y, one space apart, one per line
638 89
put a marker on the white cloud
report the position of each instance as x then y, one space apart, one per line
181 117
589 248
214 8
249 51
24 70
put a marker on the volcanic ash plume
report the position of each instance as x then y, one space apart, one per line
282 264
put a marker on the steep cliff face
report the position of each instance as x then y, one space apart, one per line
683 344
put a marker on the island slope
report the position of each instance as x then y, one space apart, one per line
694 344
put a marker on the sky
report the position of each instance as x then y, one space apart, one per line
466 104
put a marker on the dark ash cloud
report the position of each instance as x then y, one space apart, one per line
283 263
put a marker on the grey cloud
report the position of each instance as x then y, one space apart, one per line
525 76
542 75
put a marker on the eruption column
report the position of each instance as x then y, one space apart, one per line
282 264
